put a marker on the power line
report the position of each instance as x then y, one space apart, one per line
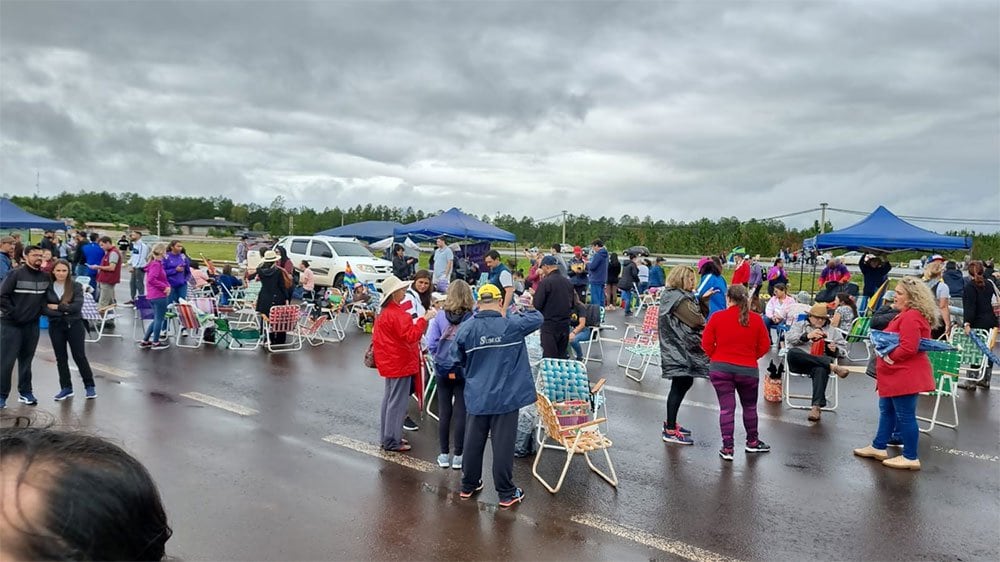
944 220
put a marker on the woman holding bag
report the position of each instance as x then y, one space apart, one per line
457 308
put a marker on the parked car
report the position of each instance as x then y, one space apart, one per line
328 257
850 258
637 250
565 248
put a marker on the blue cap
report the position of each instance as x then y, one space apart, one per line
550 260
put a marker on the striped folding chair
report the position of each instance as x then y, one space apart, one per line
642 343
98 318
142 313
283 319
190 320
574 438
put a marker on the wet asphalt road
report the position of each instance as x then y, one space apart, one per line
262 484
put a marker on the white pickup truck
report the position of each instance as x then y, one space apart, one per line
328 257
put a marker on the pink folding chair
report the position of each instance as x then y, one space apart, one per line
283 319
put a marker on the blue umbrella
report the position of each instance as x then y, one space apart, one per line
885 342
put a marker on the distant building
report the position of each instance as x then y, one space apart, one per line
200 227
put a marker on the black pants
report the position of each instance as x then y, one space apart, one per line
816 366
72 333
554 341
679 386
17 344
502 431
446 391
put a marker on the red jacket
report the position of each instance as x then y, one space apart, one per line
115 275
910 371
728 341
742 274
396 341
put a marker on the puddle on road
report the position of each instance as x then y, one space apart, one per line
162 397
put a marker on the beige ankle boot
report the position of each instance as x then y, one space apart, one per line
814 414
902 463
870 452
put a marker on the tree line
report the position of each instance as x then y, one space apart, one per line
700 236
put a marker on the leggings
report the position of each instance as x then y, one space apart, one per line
679 386
446 391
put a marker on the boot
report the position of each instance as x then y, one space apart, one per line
902 463
814 414
840 371
870 452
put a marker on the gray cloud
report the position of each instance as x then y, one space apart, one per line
676 110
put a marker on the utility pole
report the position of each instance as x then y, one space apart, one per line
37 177
157 223
564 227
822 218
291 224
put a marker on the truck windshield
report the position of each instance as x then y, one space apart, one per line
349 249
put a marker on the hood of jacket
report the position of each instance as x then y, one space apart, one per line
456 317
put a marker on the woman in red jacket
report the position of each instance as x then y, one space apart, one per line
903 374
396 345
734 340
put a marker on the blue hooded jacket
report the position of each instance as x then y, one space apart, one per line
597 267
491 350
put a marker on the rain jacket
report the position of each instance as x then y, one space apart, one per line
491 349
156 280
170 263
273 291
680 325
396 341
717 301
953 278
910 371
597 267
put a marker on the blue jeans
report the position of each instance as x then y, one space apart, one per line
778 327
159 319
898 413
627 301
577 342
597 294
177 293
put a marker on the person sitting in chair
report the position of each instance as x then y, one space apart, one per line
814 345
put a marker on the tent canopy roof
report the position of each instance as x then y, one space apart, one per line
883 231
12 216
369 231
455 224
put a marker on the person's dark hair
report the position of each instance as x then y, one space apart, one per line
93 237
106 240
262 251
597 242
777 260
950 264
68 286
710 267
98 502
647 262
781 286
305 264
493 255
976 271
845 298
613 258
227 270
425 297
31 248
557 247
173 244
741 298
397 248
283 255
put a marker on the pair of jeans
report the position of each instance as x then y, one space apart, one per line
83 271
17 345
727 386
577 343
597 294
177 293
643 287
159 322
447 391
71 333
554 341
627 301
778 327
898 414
817 367
502 432
137 283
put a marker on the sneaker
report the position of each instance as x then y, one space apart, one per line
443 460
518 498
902 463
64 394
456 462
758 447
897 443
28 398
869 452
676 437
159 345
3 403
410 425
726 453
466 495
677 427
145 344
91 393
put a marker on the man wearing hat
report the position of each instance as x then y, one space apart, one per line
554 299
396 345
490 347
813 346
875 271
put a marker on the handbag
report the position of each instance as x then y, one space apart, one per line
995 301
370 356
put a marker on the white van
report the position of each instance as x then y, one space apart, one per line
328 257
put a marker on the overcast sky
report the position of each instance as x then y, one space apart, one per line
677 110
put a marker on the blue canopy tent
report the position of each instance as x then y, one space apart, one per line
12 216
455 224
369 231
884 232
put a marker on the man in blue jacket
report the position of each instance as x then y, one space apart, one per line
490 347
597 269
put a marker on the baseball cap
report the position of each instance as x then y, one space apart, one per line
577 250
488 292
550 260
937 257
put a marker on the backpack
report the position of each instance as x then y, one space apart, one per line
593 313
444 362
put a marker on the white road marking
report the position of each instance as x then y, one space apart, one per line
375 451
219 403
967 454
714 407
670 546
113 371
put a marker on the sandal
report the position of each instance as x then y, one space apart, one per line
401 449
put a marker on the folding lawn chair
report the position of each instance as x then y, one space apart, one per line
312 326
574 438
193 321
562 380
973 363
142 313
596 337
98 318
431 389
945 365
793 400
644 344
283 319
859 333
235 337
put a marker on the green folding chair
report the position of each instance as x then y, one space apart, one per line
859 333
945 366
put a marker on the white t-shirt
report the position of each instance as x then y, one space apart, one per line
442 257
506 279
643 273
